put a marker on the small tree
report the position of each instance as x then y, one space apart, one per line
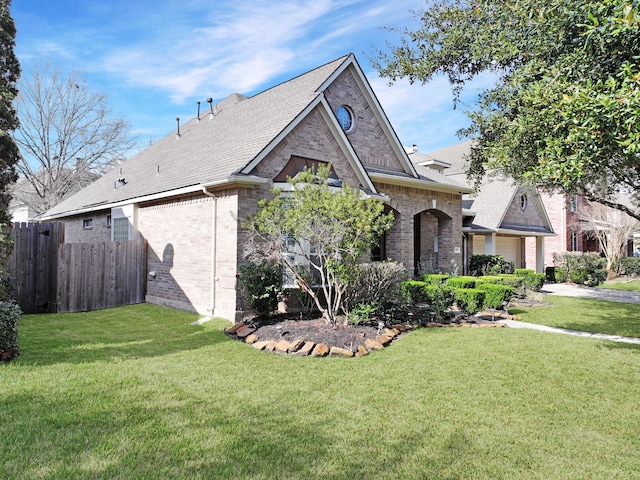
318 227
612 228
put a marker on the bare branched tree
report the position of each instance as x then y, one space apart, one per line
67 137
612 228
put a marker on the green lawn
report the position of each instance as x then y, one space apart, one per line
136 392
586 315
632 286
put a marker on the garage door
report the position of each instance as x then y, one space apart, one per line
509 248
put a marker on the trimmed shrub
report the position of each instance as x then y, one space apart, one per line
413 291
376 283
522 272
495 295
630 265
469 300
436 278
462 282
440 298
510 280
9 316
587 276
489 265
260 284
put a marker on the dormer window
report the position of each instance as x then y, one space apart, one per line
345 118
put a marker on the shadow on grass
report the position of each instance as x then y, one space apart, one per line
134 331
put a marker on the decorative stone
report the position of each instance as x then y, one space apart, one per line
261 345
383 340
271 346
361 352
244 331
283 346
320 350
305 350
234 328
295 346
340 352
389 333
253 338
373 345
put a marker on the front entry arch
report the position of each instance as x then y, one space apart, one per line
432 241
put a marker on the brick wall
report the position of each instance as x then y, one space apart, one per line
179 233
367 136
100 231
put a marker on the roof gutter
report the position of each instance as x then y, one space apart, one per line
418 183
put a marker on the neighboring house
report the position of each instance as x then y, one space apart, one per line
187 193
568 217
501 218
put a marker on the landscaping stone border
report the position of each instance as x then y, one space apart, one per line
244 332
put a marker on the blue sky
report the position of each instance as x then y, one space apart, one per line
155 60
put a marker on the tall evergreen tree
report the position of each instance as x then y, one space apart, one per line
9 73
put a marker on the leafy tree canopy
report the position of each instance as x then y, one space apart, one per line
564 112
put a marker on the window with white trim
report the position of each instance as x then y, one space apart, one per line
574 241
87 224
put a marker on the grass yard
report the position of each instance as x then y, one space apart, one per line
136 392
632 286
587 315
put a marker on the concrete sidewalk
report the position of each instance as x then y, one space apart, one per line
544 328
581 291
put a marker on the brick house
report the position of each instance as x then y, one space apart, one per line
568 217
186 193
501 217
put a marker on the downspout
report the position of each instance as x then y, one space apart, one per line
214 212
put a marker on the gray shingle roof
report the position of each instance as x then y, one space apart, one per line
207 150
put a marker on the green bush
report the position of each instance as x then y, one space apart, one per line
495 295
440 298
522 272
462 282
511 280
376 283
469 300
9 316
507 279
569 261
630 265
587 276
413 291
532 280
489 265
561 275
435 278
362 312
260 285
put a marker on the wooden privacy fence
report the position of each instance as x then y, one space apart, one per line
92 276
33 265
52 276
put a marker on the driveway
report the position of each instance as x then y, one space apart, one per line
567 290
